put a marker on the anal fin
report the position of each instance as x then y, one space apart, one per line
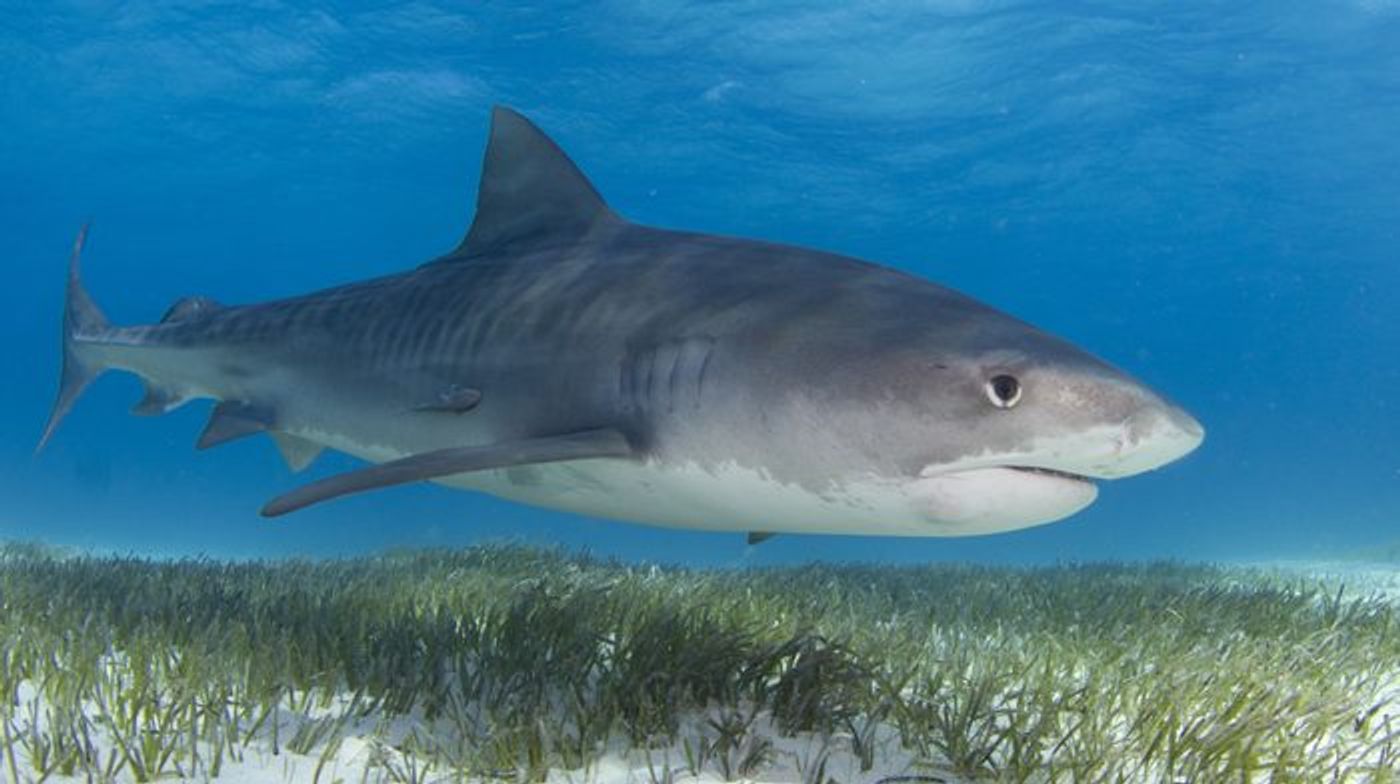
581 445
158 400
233 419
297 451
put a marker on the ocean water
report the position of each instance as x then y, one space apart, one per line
1206 194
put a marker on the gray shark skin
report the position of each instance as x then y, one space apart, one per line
565 357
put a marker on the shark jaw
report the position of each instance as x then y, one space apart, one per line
1053 478
999 498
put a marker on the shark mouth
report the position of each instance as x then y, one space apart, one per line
991 498
1052 472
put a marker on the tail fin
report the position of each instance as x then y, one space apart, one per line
81 319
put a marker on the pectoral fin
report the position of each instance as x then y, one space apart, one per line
604 442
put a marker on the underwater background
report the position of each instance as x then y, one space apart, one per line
1205 194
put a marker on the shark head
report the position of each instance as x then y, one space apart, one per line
1027 430
970 420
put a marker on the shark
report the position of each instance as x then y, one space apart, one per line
565 357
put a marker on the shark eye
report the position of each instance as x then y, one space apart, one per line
1004 391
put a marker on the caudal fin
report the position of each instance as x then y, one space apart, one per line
81 321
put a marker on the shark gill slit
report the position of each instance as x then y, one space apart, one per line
708 348
677 359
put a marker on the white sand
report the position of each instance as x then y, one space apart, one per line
792 759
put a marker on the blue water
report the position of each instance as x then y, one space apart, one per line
1207 194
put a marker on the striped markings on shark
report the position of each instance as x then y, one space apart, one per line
564 356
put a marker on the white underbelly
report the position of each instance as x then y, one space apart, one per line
728 498
731 498
735 498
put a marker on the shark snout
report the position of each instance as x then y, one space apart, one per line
1152 437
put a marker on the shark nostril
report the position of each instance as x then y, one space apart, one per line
1131 434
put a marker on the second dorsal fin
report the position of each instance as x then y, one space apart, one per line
190 308
531 193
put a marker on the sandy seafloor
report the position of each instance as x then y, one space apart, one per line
792 760
618 765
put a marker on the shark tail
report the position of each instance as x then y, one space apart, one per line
83 325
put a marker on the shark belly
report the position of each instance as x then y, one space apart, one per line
724 498
675 495
730 496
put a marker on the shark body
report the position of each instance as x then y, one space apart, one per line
566 357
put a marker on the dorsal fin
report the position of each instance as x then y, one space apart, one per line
530 192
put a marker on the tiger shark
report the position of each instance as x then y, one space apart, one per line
566 357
